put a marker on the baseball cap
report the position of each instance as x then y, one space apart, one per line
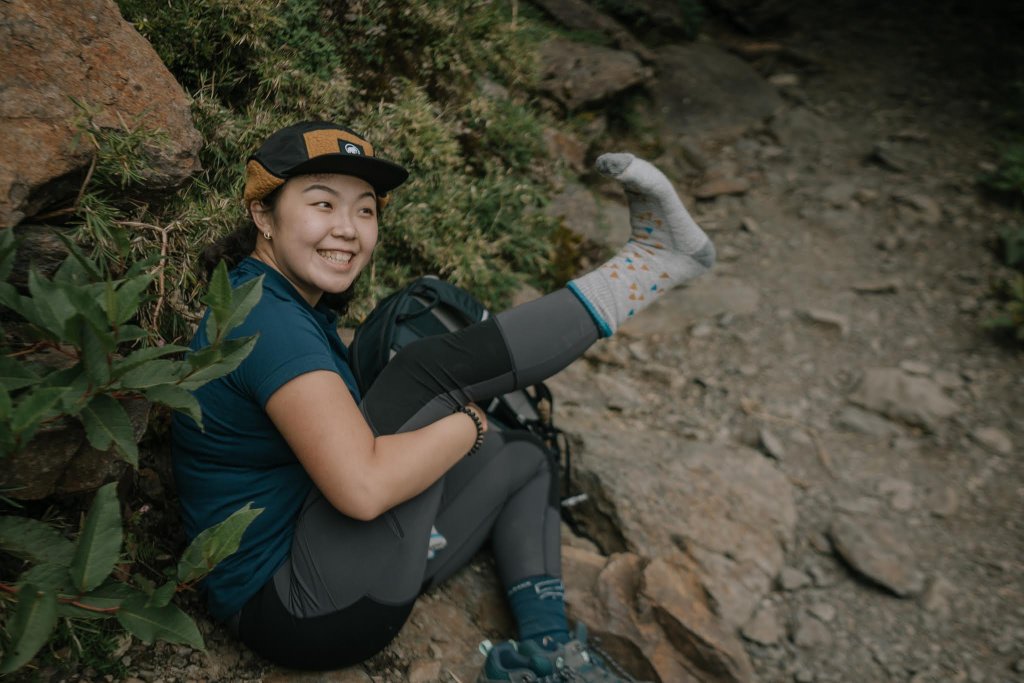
318 147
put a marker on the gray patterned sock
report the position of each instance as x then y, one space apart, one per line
667 247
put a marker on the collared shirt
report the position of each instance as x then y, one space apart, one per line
241 457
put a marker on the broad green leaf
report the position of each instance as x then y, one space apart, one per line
16 374
99 544
128 333
232 353
149 353
53 308
30 409
30 628
86 263
243 299
130 297
85 301
154 373
214 544
178 399
218 299
166 623
95 355
49 577
10 298
163 595
34 541
106 423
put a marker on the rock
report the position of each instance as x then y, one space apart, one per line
994 439
56 53
728 506
791 579
804 133
936 599
424 671
755 15
839 194
927 208
784 80
720 186
60 460
943 502
651 617
809 632
948 380
655 20
823 611
568 147
771 444
889 285
764 628
917 401
876 550
707 297
854 419
578 15
691 628
915 367
832 319
703 91
899 492
750 225
579 74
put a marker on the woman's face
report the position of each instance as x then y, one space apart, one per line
322 232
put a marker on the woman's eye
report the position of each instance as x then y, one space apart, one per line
366 211
323 205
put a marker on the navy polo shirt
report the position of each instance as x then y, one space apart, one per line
241 457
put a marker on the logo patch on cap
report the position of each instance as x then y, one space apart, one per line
331 141
352 149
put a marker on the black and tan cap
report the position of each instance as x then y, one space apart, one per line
318 147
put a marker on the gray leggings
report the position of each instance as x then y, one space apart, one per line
345 574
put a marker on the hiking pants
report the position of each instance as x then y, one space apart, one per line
349 585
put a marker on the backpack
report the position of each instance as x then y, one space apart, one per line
429 306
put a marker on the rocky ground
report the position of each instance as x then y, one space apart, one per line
807 465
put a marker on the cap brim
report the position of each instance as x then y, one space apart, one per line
382 175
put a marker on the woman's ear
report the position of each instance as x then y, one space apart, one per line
261 215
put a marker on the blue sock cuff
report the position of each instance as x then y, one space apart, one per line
538 605
602 325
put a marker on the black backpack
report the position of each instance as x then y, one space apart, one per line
430 306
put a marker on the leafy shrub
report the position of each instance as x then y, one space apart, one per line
86 317
406 75
1009 176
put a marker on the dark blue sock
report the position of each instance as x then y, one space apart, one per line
538 604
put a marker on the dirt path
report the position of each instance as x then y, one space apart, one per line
831 218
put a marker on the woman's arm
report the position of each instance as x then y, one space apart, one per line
362 475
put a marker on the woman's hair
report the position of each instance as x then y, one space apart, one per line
241 242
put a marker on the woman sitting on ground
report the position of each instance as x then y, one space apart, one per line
359 493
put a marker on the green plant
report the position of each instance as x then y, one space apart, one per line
1009 175
1011 246
83 579
85 317
1009 321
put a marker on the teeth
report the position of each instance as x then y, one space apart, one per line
337 256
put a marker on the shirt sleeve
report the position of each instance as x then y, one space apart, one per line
290 344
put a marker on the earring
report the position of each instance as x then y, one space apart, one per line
267 235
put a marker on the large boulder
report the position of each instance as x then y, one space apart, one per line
578 15
59 54
651 493
579 74
705 92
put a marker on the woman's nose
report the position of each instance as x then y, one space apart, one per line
344 227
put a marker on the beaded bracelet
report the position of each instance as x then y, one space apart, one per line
479 428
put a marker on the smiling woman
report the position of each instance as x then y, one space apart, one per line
369 500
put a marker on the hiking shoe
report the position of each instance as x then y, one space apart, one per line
504 664
575 660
